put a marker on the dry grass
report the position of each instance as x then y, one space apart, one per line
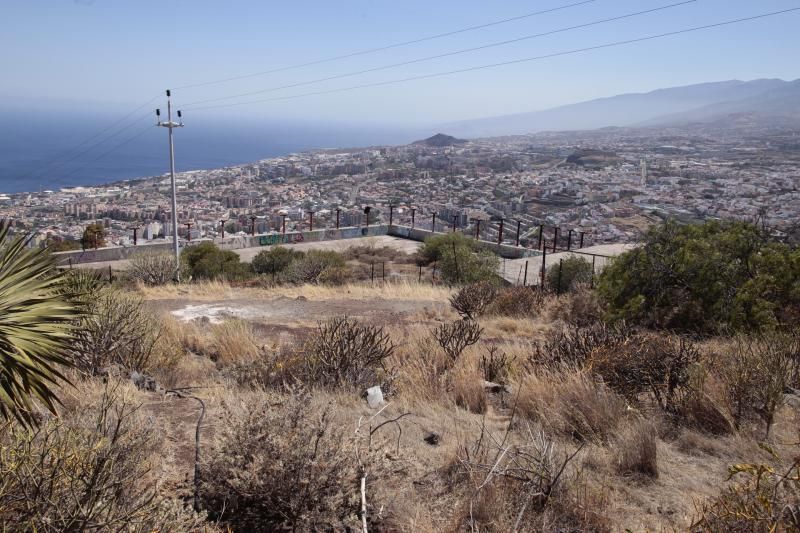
637 452
234 342
215 290
571 403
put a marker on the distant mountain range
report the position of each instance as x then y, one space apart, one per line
722 102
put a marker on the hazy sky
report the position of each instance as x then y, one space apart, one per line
123 53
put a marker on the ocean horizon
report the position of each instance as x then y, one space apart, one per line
38 153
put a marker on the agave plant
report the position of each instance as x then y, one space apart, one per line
34 328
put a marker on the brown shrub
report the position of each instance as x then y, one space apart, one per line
90 470
646 363
757 371
637 452
280 462
572 345
454 337
495 365
472 300
517 302
345 352
580 308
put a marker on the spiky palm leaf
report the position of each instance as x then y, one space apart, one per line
34 328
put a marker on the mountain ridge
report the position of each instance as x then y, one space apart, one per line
658 107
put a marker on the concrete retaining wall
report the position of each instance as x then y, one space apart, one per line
117 253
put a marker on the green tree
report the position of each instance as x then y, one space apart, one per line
704 277
205 261
459 258
274 260
575 271
34 328
94 236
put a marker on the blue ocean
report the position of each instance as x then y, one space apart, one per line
40 151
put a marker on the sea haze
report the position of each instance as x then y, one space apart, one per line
28 142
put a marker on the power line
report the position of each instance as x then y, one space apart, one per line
95 145
447 54
108 152
387 47
58 158
511 62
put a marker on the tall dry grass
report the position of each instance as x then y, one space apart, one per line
217 290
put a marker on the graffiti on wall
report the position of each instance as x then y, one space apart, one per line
289 238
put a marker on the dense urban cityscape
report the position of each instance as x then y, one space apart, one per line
610 184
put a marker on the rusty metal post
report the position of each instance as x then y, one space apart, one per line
253 225
337 217
413 215
560 266
569 240
311 221
391 213
188 231
519 226
581 243
541 235
500 232
433 225
544 266
525 277
222 227
135 231
454 222
555 239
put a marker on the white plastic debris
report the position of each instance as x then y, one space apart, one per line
375 396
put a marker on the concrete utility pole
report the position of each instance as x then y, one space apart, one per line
169 124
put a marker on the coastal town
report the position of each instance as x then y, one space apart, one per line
609 184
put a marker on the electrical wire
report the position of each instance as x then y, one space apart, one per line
387 47
447 54
58 159
506 63
108 152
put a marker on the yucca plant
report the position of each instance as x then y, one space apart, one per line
34 328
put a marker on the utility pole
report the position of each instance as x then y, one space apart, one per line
170 125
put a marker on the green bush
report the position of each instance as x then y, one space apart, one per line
709 277
432 250
310 267
459 259
205 261
275 260
575 271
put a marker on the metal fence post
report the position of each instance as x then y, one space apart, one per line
560 266
525 276
544 265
